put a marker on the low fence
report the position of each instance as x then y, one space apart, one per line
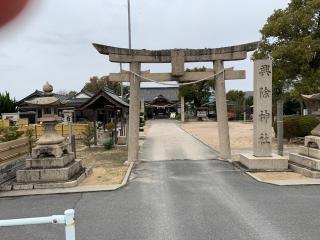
4 123
13 149
67 219
63 129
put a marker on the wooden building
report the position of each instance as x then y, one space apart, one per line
104 106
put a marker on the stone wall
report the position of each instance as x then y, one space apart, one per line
8 170
12 157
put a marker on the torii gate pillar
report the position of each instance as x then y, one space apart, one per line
222 112
134 113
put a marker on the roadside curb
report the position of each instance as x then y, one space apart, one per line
305 182
77 189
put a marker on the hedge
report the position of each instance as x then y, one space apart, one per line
297 126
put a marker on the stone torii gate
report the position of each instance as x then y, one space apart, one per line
177 58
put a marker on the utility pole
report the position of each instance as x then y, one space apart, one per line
280 126
129 36
129 24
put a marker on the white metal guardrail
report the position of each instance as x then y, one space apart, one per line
67 219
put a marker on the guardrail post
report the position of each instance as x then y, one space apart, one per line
70 225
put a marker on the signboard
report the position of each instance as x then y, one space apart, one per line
201 113
67 116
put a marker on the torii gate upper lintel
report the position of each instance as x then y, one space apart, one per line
125 55
177 58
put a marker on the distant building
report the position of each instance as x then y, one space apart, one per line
104 106
248 94
160 101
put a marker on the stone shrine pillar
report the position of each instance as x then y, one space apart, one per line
142 105
262 157
134 113
262 105
182 109
222 112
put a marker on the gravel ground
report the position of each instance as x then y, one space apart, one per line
107 166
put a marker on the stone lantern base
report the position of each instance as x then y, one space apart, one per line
49 169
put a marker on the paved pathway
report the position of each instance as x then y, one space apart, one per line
178 199
167 141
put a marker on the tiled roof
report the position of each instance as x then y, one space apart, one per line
38 93
170 93
111 93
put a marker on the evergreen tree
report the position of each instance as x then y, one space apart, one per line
7 105
291 38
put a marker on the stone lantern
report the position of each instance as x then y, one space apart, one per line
50 160
50 143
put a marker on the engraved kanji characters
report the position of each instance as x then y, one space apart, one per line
265 92
264 138
265 70
264 116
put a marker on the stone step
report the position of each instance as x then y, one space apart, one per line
310 152
307 172
306 161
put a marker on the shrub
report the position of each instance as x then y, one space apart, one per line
297 126
110 126
88 136
31 139
9 134
141 122
108 144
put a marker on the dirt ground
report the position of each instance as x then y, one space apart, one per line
107 165
241 134
270 176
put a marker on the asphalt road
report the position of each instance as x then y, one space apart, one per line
178 199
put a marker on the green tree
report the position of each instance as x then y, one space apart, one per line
291 38
7 105
72 93
197 93
236 96
237 99
96 84
88 136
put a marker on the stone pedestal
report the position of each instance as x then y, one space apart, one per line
262 158
307 160
272 163
103 137
122 140
49 174
312 141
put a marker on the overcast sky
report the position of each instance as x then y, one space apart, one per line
52 39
